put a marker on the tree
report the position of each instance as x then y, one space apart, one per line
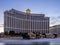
25 36
38 35
44 35
20 34
6 33
11 33
55 35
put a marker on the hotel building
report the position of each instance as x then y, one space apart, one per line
19 21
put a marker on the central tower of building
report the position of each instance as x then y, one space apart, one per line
28 11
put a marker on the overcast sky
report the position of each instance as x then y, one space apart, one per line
50 8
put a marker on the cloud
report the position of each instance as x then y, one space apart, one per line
1 25
54 20
1 28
